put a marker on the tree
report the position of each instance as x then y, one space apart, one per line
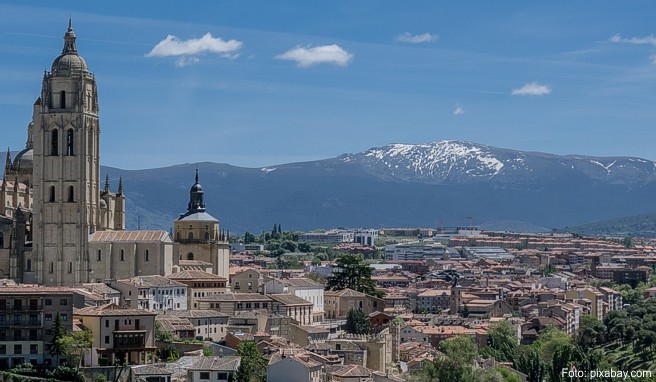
76 344
253 366
529 361
461 348
163 335
354 274
357 322
502 340
58 332
249 238
591 333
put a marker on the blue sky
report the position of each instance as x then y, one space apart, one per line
256 83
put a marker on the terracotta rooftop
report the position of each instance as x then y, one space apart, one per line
129 236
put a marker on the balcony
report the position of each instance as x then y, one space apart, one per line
127 341
129 328
21 308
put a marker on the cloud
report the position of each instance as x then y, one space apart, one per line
184 61
532 89
647 40
324 54
458 110
188 50
652 59
417 39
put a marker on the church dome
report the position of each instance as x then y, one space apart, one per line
24 160
69 61
196 188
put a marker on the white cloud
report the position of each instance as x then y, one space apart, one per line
458 110
647 40
325 54
188 50
532 89
417 39
184 61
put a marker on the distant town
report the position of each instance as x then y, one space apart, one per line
84 299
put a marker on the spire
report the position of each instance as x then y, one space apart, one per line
120 186
8 160
69 40
106 183
196 202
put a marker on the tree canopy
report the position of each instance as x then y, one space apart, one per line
253 366
357 322
353 273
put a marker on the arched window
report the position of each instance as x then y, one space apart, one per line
69 142
54 142
146 255
122 255
71 194
190 236
62 99
51 197
190 256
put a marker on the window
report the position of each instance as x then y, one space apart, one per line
71 194
122 255
204 375
70 267
146 255
18 349
107 323
250 285
190 236
29 265
54 142
34 349
63 302
62 99
99 255
190 256
69 142
48 302
237 285
52 267
3 349
106 339
51 197
2 240
64 317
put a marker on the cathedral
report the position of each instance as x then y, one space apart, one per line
58 226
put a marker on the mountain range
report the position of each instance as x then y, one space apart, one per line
441 183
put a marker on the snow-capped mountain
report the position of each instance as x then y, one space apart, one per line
401 185
445 162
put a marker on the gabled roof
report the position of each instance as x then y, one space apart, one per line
195 274
111 310
222 363
129 236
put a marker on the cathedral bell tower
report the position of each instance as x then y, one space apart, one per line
66 169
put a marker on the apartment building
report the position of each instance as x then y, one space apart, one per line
27 315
